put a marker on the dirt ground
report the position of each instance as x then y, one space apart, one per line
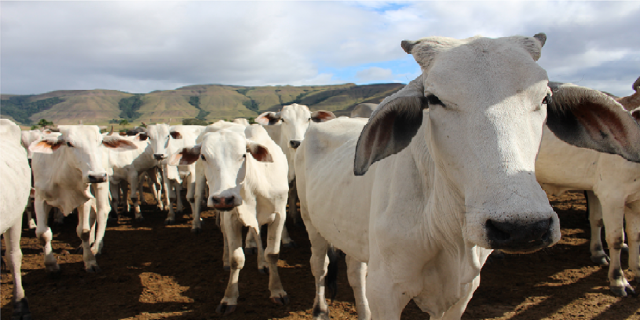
153 271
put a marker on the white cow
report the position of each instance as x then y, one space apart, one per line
453 182
613 186
167 140
363 110
287 128
128 168
247 184
16 177
64 169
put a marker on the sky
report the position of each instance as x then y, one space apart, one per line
142 46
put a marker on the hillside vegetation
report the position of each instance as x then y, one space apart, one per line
203 102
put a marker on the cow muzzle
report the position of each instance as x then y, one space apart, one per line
520 237
158 156
224 203
294 143
97 178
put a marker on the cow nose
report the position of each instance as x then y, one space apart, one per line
519 236
158 156
223 203
98 178
294 143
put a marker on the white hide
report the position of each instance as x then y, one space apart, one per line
64 169
16 177
435 190
245 175
615 182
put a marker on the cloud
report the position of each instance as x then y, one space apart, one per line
145 46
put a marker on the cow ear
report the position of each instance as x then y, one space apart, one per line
636 115
588 118
391 127
175 135
186 156
258 151
47 146
322 116
118 144
268 118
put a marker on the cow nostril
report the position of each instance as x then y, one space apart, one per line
495 232
158 156
519 235
294 143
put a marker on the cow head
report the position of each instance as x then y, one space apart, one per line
294 120
159 137
487 102
223 155
81 146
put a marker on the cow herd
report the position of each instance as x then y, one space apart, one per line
416 191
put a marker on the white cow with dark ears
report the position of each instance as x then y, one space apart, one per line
65 167
14 195
612 184
287 128
245 173
442 173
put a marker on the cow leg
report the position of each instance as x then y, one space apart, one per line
233 233
357 274
292 211
257 240
632 216
124 187
196 223
84 232
613 214
132 177
595 219
14 257
156 186
250 245
319 263
171 217
287 242
191 190
43 232
226 264
114 190
102 214
31 214
274 236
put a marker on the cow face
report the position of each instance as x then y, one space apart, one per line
82 149
223 155
294 120
487 102
159 138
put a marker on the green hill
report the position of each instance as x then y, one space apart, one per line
206 102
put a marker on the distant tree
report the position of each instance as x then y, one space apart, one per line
193 121
34 127
44 122
251 120
123 122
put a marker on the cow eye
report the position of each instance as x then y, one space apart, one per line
69 144
244 155
547 99
309 120
202 157
433 100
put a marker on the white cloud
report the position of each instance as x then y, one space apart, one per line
144 46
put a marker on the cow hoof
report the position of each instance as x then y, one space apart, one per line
196 231
623 291
291 244
601 260
21 310
93 269
225 309
264 270
53 273
625 248
319 314
280 301
140 219
169 221
226 268
250 250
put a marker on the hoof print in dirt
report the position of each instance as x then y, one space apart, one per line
225 309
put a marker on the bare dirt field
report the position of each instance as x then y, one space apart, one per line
153 271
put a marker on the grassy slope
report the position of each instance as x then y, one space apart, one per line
221 101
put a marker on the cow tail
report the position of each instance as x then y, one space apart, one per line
331 280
